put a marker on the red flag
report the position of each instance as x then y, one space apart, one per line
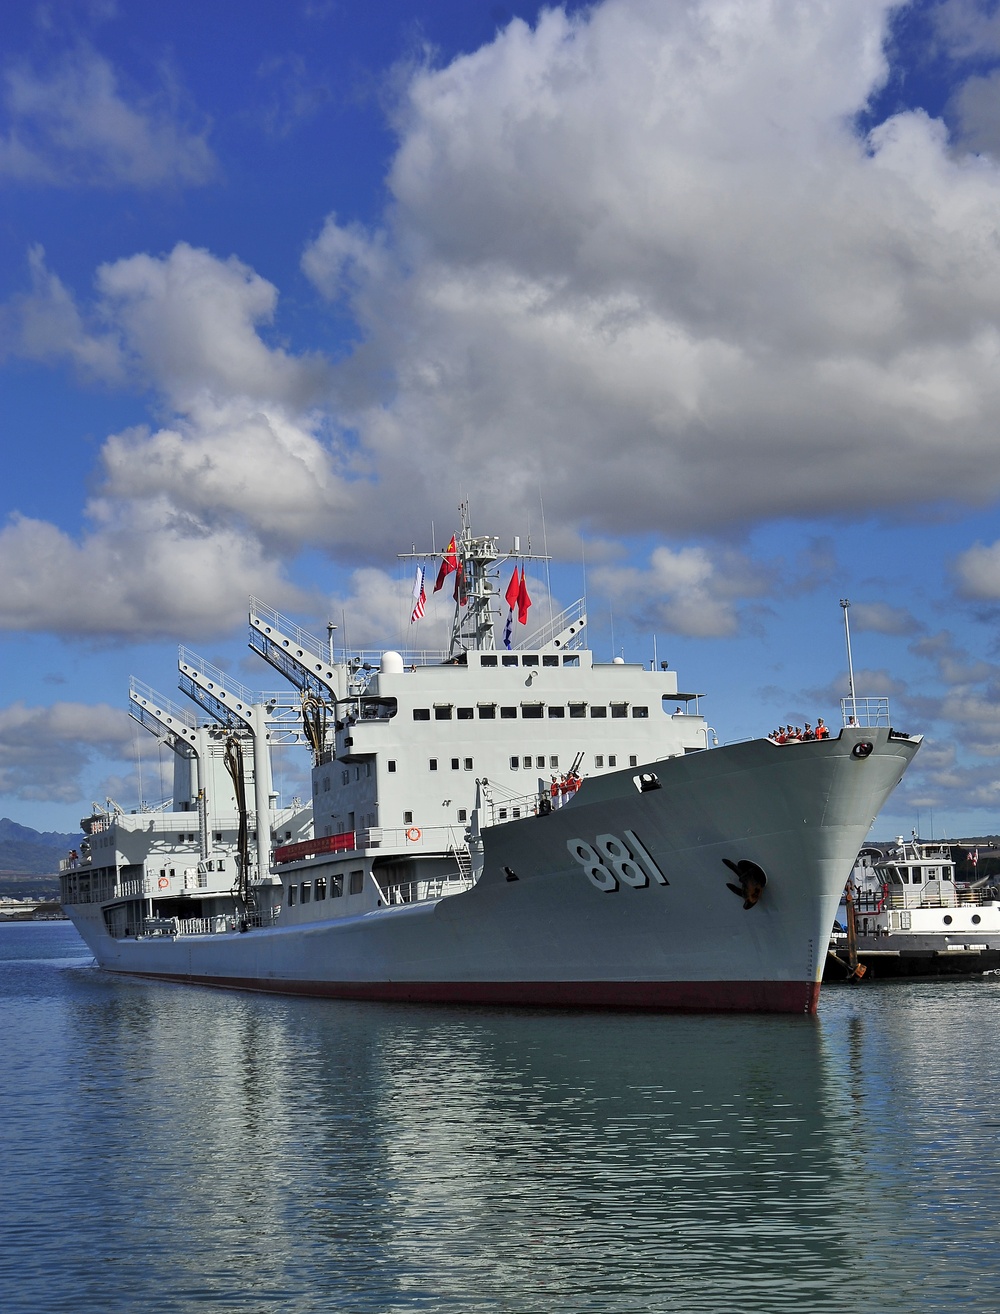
523 601
512 591
449 564
460 593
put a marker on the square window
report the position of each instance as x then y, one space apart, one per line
527 763
442 713
640 713
598 713
531 711
550 660
571 659
391 764
599 760
407 818
508 659
488 659
487 713
357 879
612 760
508 713
463 814
619 710
633 760
514 763
515 812
218 834
502 814
465 713
540 763
577 710
467 763
454 764
531 660
433 764
557 713
421 714
553 762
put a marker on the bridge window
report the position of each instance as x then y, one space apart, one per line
598 713
508 713
442 713
487 712
550 661
577 710
619 710
508 659
465 713
320 888
293 895
531 711
531 660
571 659
557 713
488 659
357 879
640 713
421 714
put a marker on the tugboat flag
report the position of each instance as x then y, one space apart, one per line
449 564
419 595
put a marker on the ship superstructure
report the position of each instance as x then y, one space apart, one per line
519 823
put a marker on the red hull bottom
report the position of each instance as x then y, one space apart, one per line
666 996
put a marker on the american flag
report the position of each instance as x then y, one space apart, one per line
419 596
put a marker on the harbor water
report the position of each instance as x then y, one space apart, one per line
181 1149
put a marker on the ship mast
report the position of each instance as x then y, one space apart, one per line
474 586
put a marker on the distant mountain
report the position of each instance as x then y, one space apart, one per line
28 852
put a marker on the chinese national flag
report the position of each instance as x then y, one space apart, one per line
523 601
510 597
449 564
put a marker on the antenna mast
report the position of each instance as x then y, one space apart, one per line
846 604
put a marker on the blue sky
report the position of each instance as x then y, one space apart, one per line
704 297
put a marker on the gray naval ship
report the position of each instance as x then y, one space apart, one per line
512 823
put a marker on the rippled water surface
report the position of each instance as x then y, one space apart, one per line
180 1149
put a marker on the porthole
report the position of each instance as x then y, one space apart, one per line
947 919
976 919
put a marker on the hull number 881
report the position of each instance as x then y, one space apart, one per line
610 862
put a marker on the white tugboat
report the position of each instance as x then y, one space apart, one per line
514 824
914 916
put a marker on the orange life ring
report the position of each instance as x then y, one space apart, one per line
163 882
413 833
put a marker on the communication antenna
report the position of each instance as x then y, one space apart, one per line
846 604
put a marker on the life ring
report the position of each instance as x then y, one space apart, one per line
413 833
163 882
